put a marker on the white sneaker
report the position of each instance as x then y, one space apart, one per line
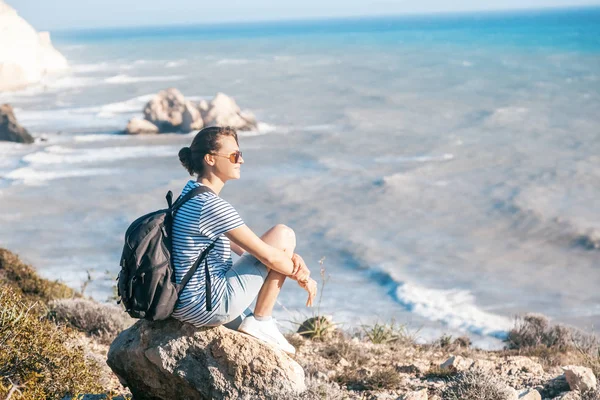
267 332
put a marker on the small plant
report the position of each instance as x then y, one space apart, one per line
477 385
445 341
386 378
388 333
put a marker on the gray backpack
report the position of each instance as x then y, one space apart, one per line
146 283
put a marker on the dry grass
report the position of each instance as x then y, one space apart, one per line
365 379
15 273
389 333
37 358
476 385
534 336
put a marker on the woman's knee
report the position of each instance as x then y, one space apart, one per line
287 236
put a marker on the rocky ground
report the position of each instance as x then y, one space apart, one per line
541 360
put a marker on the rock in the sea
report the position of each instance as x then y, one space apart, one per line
165 110
26 56
138 126
9 127
224 111
580 378
172 360
191 118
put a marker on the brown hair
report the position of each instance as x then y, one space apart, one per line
205 142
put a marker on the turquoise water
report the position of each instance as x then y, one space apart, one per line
576 29
445 166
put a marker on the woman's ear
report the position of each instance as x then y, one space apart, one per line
209 159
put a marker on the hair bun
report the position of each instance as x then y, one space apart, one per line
185 156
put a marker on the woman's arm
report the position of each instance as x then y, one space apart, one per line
272 257
237 249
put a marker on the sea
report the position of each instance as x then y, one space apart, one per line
441 172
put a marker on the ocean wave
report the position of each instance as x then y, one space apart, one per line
455 308
415 159
175 63
34 177
233 61
134 105
121 78
63 155
85 68
541 211
99 137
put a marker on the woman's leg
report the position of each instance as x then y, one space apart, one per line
249 277
283 238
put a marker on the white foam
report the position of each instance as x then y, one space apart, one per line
418 159
176 63
319 128
64 155
134 105
84 68
233 61
33 177
121 78
453 307
99 137
467 64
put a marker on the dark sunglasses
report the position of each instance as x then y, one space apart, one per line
233 157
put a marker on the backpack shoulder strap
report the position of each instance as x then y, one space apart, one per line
192 193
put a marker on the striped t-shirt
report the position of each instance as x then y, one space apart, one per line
197 224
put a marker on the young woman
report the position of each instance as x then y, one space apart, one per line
214 158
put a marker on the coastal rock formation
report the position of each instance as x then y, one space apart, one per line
224 111
169 111
26 56
9 127
173 360
138 126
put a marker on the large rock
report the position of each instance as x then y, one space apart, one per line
224 111
456 364
580 378
191 118
9 127
172 360
138 126
165 110
26 56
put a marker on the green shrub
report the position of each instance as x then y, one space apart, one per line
477 385
38 359
24 278
101 321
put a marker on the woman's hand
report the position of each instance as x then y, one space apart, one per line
310 285
300 271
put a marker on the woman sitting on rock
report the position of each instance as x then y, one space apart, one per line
214 157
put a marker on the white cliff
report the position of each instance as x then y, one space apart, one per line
26 56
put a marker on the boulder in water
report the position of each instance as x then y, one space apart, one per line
9 127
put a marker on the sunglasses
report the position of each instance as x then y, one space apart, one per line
233 157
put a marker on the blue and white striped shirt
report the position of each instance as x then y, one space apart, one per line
199 222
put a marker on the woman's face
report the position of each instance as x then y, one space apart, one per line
223 167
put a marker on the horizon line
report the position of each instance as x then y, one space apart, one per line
332 18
